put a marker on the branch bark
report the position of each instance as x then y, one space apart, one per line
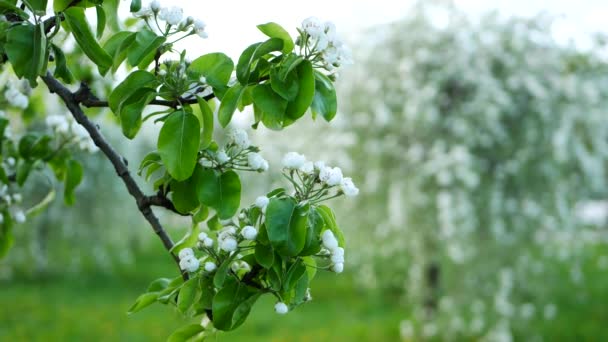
144 203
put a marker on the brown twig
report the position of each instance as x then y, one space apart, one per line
72 101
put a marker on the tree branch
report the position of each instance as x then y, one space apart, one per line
72 101
95 102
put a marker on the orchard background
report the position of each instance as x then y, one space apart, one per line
478 141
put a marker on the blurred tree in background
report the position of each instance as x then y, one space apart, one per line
474 143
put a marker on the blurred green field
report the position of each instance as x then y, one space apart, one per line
92 307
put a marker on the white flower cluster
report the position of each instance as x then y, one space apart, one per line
226 239
173 16
336 252
238 153
71 130
323 40
327 175
187 261
10 200
16 94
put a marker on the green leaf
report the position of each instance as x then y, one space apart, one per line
146 43
178 143
264 255
6 236
184 195
272 105
274 30
185 333
315 224
158 285
23 171
300 289
214 223
73 177
201 214
286 226
38 5
135 6
311 266
324 101
229 103
288 87
207 123
330 223
78 25
25 48
61 68
207 292
220 191
9 7
131 109
216 67
251 55
222 272
129 86
189 240
306 92
187 294
143 301
232 304
296 271
117 47
101 20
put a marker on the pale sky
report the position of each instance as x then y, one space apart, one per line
231 24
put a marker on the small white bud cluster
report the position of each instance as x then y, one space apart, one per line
240 265
238 152
327 176
322 38
174 16
336 252
7 199
72 131
187 261
204 240
226 239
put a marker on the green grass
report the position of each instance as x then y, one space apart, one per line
93 307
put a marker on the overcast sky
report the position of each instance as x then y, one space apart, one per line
231 24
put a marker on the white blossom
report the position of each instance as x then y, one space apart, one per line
338 268
313 26
240 138
202 236
189 263
155 6
256 162
208 242
185 253
281 308
307 167
261 202
210 266
319 165
19 216
229 244
329 240
222 157
199 28
249 232
293 160
16 98
331 175
348 187
172 15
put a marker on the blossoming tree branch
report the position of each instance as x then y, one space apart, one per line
234 252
